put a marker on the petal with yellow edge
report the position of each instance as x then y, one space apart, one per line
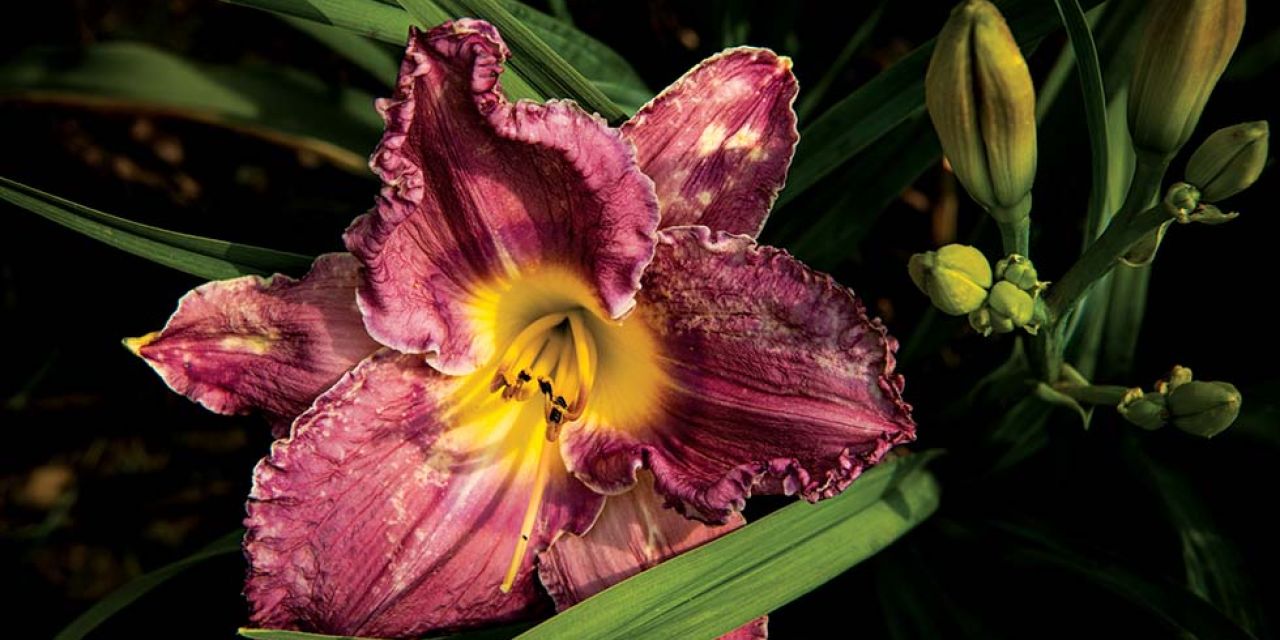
271 344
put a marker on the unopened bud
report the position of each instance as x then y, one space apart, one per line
1148 411
1229 161
1203 408
1018 270
1183 51
1008 301
955 277
982 103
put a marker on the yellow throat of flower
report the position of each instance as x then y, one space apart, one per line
553 345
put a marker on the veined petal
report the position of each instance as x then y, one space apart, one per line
778 382
390 512
634 532
718 142
478 191
272 344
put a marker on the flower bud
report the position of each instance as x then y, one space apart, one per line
1009 302
982 103
1203 408
955 277
1229 161
1018 270
1183 51
1148 411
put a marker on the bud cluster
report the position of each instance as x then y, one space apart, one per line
1193 406
1012 303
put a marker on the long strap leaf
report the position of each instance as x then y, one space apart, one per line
716 588
126 595
199 256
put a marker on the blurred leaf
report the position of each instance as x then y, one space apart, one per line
716 587
278 104
126 595
812 96
1127 306
838 217
1215 570
370 56
915 603
1054 397
1172 604
891 97
1095 109
203 257
609 71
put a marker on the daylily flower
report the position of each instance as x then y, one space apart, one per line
559 325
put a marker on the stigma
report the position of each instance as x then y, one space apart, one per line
552 360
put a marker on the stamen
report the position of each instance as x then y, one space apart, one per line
530 338
530 513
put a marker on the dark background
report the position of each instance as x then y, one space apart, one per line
105 474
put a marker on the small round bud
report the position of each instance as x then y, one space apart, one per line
1229 161
982 103
955 277
1203 408
1018 270
1184 50
1181 199
980 320
1009 302
1148 411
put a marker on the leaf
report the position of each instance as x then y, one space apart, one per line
609 71
894 95
138 587
1173 605
717 587
372 57
1215 570
281 105
203 257
812 96
1095 110
1054 397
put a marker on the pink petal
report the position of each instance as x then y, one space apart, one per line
779 382
634 532
272 344
378 518
718 142
478 190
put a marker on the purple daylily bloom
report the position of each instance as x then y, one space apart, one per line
546 332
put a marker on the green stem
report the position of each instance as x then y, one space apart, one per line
1108 395
1135 219
1016 236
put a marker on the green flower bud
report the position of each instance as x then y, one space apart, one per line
1178 377
1229 160
1203 408
1009 302
980 320
1148 411
1018 270
1183 51
1181 200
955 277
982 103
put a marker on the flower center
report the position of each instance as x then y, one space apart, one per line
555 358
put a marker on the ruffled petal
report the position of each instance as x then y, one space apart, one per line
633 533
778 382
718 142
272 344
390 514
478 191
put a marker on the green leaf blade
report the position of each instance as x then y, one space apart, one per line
716 588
